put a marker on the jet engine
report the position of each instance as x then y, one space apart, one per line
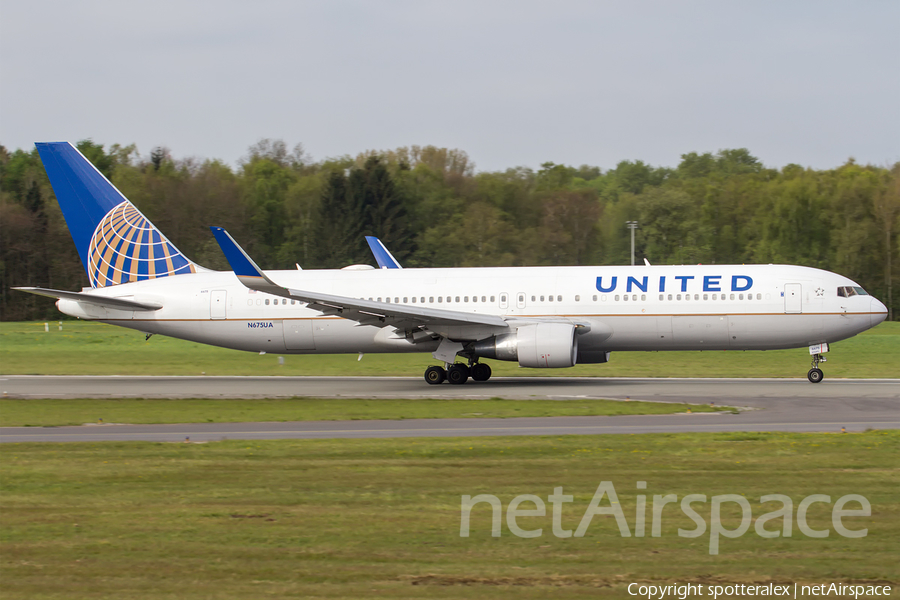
543 345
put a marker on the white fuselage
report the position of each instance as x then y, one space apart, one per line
728 307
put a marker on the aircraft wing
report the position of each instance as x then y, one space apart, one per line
365 312
384 257
104 301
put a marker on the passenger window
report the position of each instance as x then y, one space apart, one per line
294 301
423 300
617 297
430 299
414 300
670 296
550 298
595 297
740 296
440 299
465 299
696 296
559 298
643 297
484 298
267 301
732 296
577 298
661 297
457 298
678 297
706 296
759 296
405 300
715 297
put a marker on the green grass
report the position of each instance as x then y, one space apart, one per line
381 518
83 348
55 411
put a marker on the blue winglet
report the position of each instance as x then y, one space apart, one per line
383 256
241 264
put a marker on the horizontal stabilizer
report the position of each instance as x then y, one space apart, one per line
104 301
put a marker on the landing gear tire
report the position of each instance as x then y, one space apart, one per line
481 372
815 374
435 375
458 374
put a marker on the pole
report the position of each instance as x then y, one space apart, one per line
632 225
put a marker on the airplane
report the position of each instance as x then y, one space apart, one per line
539 317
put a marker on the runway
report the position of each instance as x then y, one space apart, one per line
765 405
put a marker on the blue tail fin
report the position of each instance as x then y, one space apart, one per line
117 244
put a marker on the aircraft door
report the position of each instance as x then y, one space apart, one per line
793 298
217 300
298 334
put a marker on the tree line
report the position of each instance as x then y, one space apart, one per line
433 209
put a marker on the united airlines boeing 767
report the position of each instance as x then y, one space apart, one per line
540 317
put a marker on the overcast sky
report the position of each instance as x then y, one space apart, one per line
511 83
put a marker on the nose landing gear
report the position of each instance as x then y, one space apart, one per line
815 374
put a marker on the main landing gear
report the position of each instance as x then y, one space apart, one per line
815 374
457 373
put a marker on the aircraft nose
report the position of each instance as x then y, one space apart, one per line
878 312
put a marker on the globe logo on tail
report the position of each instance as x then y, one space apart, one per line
127 247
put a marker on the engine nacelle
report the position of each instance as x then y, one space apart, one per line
543 345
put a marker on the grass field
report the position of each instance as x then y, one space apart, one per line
381 518
83 348
55 412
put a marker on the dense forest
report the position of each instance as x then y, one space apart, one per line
433 209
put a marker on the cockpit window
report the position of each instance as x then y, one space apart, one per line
846 291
